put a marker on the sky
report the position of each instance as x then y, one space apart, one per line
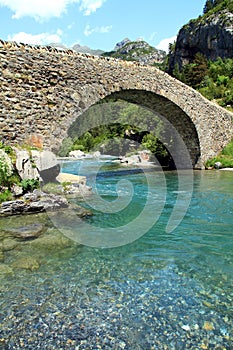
98 24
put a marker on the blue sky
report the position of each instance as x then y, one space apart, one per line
99 24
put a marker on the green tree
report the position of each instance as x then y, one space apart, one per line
195 72
208 6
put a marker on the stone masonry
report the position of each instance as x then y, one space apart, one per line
43 90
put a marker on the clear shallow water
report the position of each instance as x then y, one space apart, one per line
162 291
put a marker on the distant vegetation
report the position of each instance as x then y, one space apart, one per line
121 128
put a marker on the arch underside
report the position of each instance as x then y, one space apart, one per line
178 126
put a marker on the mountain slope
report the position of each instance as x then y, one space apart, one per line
138 50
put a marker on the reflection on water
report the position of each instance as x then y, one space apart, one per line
163 291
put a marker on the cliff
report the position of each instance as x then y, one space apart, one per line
210 34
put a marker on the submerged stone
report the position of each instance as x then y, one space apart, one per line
27 232
6 270
27 263
51 242
9 244
208 326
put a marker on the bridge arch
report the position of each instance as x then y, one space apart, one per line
177 125
175 121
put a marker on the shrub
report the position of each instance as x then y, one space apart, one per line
228 150
5 196
6 168
225 157
30 184
226 162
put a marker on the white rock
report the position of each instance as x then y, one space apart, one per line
37 164
77 154
186 327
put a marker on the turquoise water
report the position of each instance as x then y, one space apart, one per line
163 290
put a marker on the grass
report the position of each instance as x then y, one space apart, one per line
225 157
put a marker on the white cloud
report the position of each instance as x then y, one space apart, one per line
164 44
44 9
37 39
89 6
103 29
38 9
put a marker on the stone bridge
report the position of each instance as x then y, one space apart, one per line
43 91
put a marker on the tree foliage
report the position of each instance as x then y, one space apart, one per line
117 127
213 79
212 4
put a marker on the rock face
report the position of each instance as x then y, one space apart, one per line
37 164
211 35
121 44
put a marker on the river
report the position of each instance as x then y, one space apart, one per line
129 278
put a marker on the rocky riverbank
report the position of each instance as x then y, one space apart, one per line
49 197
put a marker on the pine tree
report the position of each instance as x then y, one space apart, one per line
217 2
208 6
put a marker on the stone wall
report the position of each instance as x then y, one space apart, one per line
43 90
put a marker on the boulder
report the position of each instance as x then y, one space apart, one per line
218 165
46 164
142 158
96 154
77 154
37 164
24 166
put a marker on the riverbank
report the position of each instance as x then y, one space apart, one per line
52 196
